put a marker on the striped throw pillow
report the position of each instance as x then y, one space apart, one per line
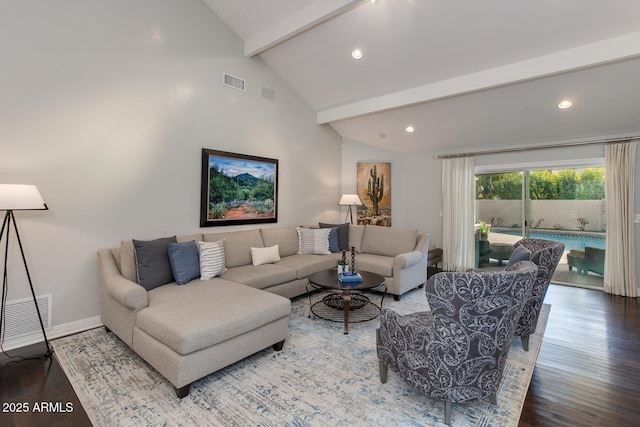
313 241
212 261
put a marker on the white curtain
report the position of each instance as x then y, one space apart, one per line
620 259
458 195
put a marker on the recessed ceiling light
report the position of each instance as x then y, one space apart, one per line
565 104
410 129
382 135
357 53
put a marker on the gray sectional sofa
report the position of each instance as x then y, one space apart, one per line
192 330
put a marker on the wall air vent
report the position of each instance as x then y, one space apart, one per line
21 317
234 82
269 94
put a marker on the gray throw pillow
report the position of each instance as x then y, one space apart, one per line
185 261
343 234
519 254
152 262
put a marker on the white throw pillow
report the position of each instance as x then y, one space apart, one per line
265 255
313 241
212 261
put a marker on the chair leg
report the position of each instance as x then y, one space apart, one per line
384 370
447 412
494 399
525 342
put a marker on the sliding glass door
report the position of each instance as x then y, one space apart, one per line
500 216
563 204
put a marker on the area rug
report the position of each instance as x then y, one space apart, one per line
321 378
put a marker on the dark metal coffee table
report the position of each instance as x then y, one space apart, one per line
345 297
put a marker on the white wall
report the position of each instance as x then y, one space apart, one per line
106 106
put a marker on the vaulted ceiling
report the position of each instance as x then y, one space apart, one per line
465 74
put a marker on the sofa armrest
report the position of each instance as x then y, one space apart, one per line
407 259
124 291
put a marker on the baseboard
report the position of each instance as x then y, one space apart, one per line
55 332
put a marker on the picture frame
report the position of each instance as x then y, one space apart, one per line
237 189
374 188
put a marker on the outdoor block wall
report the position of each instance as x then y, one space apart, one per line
555 214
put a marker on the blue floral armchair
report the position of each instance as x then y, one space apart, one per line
545 254
457 351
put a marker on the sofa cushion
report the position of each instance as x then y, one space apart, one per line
185 261
285 237
343 235
378 264
388 241
308 264
212 259
267 255
356 232
237 245
313 241
203 313
152 262
260 276
197 237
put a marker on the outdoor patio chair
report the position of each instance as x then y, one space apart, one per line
546 255
575 259
457 351
586 260
594 260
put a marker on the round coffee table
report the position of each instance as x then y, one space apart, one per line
347 298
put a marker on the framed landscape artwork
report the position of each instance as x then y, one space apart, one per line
237 189
374 189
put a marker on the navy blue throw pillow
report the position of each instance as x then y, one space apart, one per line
185 261
519 254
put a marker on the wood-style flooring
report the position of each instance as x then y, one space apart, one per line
587 374
588 370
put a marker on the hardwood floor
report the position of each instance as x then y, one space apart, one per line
587 374
588 370
35 392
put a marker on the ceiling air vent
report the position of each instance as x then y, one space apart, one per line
234 82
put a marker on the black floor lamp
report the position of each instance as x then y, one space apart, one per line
18 198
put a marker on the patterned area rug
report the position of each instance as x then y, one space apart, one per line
320 378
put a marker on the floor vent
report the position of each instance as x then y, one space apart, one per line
21 317
234 82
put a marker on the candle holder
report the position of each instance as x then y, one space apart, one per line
353 259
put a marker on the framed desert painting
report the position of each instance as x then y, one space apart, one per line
374 189
238 189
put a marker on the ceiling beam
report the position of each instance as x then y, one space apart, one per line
602 52
314 14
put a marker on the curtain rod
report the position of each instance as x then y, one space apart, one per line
536 147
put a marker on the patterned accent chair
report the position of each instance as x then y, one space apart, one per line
546 255
457 351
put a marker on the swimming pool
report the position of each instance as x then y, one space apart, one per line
570 241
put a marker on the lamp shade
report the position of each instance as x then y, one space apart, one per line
20 197
349 200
